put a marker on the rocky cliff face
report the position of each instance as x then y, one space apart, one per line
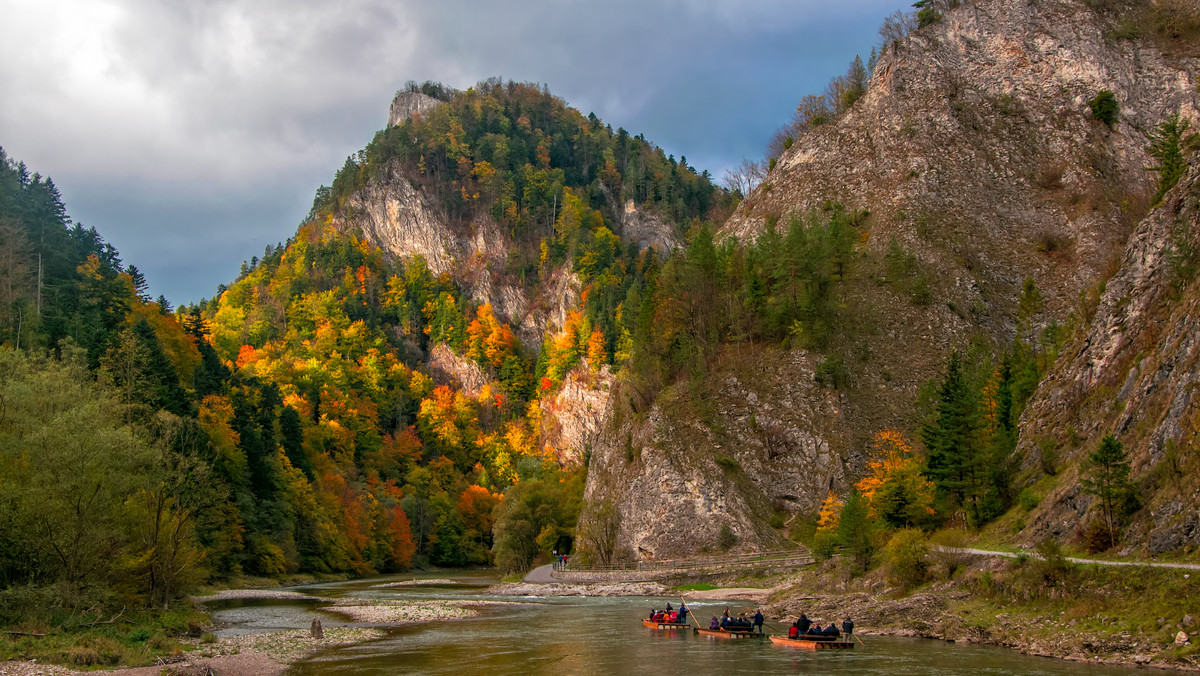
740 453
575 414
1133 372
975 152
405 223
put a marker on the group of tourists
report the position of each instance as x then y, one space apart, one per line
670 615
804 627
728 622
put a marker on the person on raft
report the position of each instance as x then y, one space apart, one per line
758 620
683 611
715 624
848 628
794 631
831 631
803 623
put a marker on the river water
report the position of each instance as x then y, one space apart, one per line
572 635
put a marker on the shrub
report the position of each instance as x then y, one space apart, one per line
726 539
1049 176
1028 500
1174 18
905 555
1051 565
1048 455
927 15
726 463
824 545
920 293
831 372
1097 537
948 554
1105 108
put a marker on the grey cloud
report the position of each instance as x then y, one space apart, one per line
191 133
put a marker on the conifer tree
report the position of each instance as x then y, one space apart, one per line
1167 144
950 440
855 529
1108 479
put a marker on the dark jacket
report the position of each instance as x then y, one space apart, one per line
847 627
803 624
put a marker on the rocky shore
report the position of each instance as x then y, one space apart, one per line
949 611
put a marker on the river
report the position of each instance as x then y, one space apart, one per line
573 635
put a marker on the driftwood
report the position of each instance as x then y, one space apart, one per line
24 633
111 620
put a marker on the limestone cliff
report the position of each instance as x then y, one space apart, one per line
976 153
739 453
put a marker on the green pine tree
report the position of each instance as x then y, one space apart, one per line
1108 479
1167 144
954 462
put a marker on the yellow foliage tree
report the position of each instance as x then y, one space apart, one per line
895 489
830 515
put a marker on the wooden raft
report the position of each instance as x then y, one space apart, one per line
665 625
814 643
723 633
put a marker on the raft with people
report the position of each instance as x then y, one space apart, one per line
808 635
729 633
728 626
653 624
668 619
813 642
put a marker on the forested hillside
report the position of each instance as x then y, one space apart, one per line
290 424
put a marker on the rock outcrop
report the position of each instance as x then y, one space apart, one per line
409 104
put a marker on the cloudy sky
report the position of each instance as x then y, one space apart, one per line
192 133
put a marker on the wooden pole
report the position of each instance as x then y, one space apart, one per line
690 613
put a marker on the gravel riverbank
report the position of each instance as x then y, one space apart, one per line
266 654
597 589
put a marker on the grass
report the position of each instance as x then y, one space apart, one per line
702 586
134 640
